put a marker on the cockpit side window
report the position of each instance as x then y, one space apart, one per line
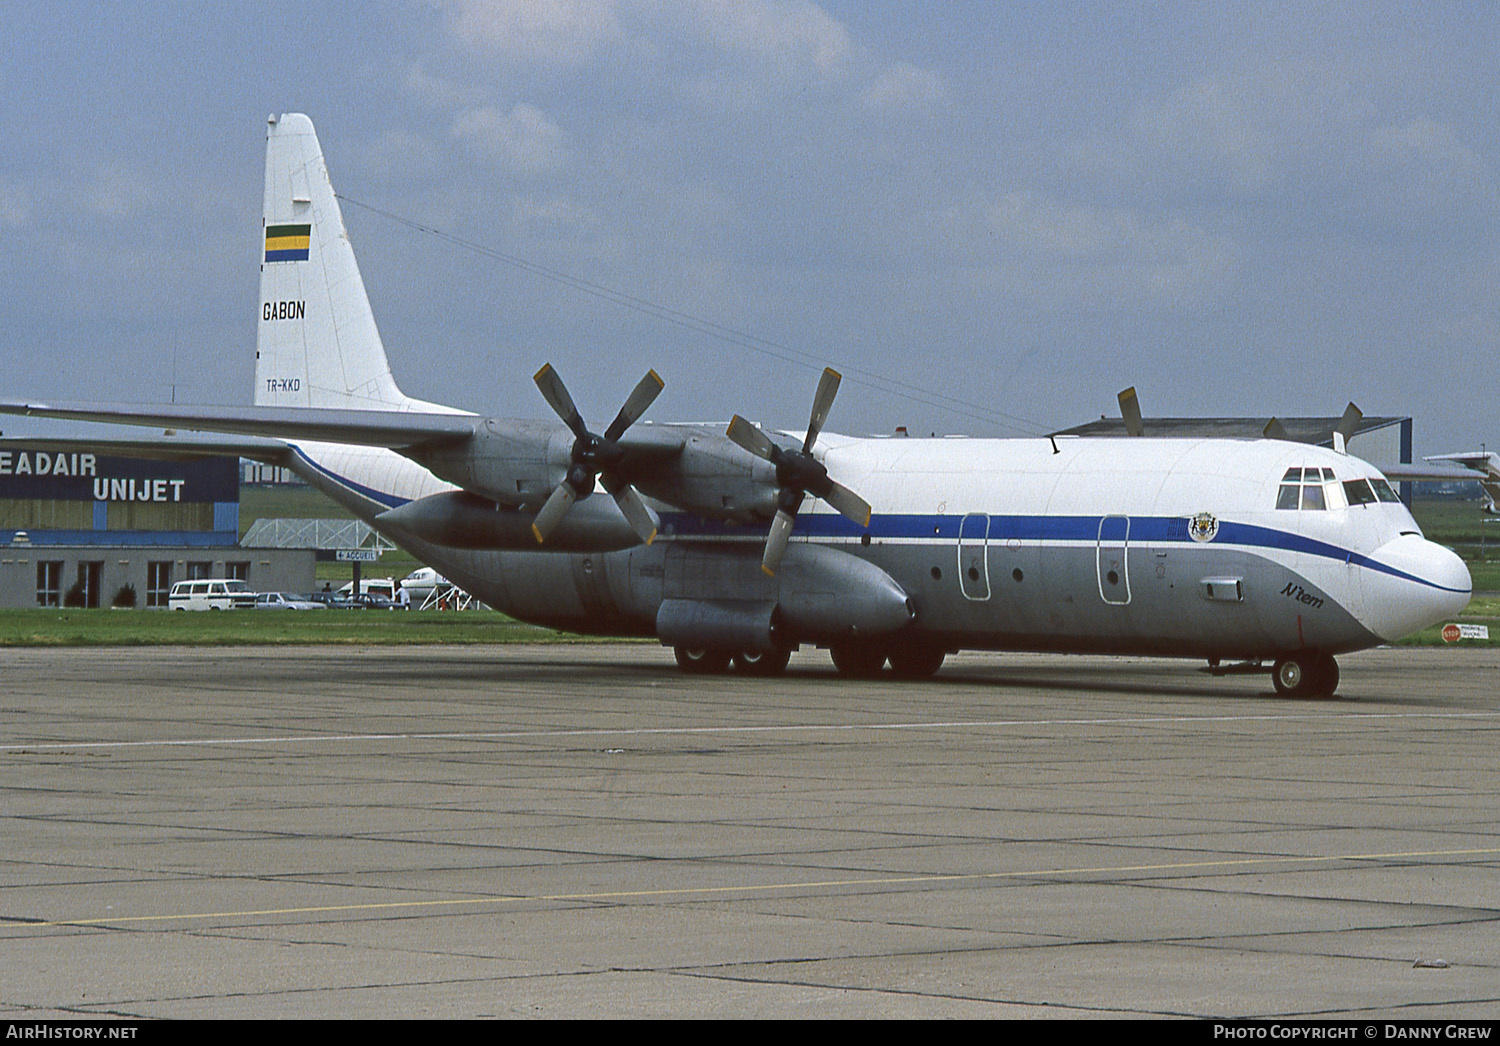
1358 492
1383 490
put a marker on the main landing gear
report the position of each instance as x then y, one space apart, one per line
909 659
1308 674
702 662
854 660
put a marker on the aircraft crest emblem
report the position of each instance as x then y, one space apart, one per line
1203 527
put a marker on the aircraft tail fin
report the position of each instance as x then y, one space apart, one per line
316 343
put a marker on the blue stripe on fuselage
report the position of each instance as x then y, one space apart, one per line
379 497
1153 529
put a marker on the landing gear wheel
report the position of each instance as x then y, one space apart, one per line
699 662
858 660
916 661
1306 675
771 663
1289 676
1325 675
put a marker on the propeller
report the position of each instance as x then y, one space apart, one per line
596 456
1344 431
799 474
1130 411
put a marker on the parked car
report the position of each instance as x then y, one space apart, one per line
332 600
372 601
285 601
210 594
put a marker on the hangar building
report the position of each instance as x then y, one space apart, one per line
83 528
1383 442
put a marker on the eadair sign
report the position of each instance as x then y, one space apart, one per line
27 473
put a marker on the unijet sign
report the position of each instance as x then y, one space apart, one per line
39 475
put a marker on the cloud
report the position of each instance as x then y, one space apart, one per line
523 139
113 190
534 32
795 36
1420 174
401 155
1113 256
16 204
904 86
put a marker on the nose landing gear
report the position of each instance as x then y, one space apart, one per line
1307 674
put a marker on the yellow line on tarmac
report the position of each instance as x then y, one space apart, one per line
822 884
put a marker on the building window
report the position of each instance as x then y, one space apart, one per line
49 583
199 569
158 583
88 583
238 571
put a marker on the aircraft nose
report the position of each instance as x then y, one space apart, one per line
1414 583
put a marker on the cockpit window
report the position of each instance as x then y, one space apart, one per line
1358 492
1383 490
1303 488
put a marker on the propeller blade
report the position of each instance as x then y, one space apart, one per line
750 438
644 394
1274 430
556 395
828 387
641 519
553 511
1130 410
848 503
1344 431
776 542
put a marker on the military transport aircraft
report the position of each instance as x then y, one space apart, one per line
735 545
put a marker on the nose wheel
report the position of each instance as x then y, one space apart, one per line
1308 674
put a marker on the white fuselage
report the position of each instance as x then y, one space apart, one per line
1161 546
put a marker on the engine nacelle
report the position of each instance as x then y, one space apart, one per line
510 462
715 479
458 519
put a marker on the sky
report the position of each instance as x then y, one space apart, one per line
992 217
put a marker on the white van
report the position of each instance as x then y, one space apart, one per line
379 586
210 594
